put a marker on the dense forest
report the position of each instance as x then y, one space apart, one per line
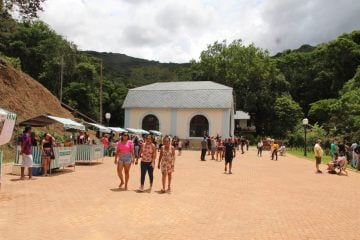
319 82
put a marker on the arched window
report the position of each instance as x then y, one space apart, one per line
199 126
150 122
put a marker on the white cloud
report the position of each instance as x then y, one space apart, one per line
178 31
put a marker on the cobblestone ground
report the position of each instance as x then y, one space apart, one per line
262 199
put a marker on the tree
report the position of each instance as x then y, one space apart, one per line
40 50
322 110
81 96
27 8
347 112
321 72
296 138
252 74
284 107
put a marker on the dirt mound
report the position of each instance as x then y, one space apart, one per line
21 94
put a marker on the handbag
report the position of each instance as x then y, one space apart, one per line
52 154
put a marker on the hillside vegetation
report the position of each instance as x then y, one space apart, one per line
319 82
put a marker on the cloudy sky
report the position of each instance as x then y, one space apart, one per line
178 30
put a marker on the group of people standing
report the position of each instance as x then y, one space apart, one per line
125 157
340 152
46 148
348 151
224 149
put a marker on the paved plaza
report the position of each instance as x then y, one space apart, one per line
262 199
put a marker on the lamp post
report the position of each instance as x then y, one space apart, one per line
305 122
107 116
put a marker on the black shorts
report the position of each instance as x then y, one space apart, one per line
318 160
228 159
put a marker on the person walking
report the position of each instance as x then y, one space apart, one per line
274 152
219 149
26 152
105 142
123 158
354 157
136 146
357 152
166 163
242 142
46 149
148 156
180 145
204 148
208 140
213 148
260 148
318 155
230 153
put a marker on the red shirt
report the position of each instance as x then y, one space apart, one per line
105 141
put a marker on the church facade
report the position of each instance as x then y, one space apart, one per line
188 110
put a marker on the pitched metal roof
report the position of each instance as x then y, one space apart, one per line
204 94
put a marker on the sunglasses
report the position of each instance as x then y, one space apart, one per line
125 135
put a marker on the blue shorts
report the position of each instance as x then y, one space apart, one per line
125 159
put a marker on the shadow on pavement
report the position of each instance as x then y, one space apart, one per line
117 189
143 191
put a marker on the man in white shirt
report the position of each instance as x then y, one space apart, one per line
318 155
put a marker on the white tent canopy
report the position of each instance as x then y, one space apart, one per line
137 131
100 127
155 132
118 129
68 123
9 119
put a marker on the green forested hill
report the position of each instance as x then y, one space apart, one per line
136 72
319 82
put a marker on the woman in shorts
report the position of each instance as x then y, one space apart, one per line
123 158
46 148
166 162
219 149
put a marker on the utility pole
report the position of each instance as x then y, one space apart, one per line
101 92
61 77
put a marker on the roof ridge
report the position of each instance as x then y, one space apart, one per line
214 89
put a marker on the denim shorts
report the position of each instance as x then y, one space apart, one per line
125 158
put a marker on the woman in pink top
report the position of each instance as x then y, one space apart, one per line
123 158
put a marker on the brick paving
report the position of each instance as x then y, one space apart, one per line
262 199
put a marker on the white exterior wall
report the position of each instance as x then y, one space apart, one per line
177 121
214 116
136 115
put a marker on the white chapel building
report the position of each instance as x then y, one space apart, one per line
183 109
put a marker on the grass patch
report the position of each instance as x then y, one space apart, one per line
311 156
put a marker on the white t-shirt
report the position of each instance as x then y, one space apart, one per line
318 150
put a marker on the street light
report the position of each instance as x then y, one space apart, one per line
108 116
305 122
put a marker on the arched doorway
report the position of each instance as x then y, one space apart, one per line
199 126
150 122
